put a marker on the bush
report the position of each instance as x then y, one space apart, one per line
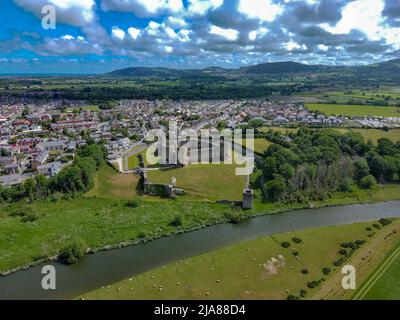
177 221
234 217
303 293
326 271
376 226
339 262
368 228
367 182
343 252
296 240
346 185
360 242
285 244
73 252
313 284
295 253
347 245
30 217
304 271
292 297
135 203
142 235
384 222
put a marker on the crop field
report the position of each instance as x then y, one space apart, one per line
355 110
263 268
389 95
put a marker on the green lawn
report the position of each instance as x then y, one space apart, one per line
256 269
204 181
355 110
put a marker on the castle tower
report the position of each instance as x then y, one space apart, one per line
248 197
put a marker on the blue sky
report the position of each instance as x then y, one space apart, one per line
96 36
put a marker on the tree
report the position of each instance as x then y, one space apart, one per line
377 165
368 182
95 151
386 147
4 152
361 169
287 171
275 189
73 252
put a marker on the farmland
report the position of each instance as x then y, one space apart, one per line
355 110
383 283
375 134
263 268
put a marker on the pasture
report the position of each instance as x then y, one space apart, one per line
258 269
355 110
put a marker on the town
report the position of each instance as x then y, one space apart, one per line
41 138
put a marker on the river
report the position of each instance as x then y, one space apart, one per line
107 267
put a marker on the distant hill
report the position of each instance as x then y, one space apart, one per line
391 67
282 67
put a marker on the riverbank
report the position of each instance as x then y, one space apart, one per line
285 265
105 223
110 266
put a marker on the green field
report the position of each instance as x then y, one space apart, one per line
204 181
355 110
98 221
110 183
383 284
278 129
260 145
256 269
103 219
389 95
375 134
133 161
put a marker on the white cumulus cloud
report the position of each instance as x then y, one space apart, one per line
230 34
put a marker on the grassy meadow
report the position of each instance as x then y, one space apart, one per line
355 110
383 284
98 221
204 181
103 220
257 269
375 134
260 145
110 183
